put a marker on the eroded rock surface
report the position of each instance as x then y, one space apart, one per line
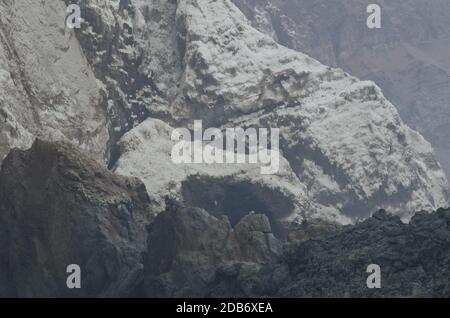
326 260
187 247
47 88
345 153
344 141
407 57
60 207
344 147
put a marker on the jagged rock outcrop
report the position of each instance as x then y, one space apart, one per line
343 140
188 247
117 88
345 149
110 47
59 207
146 154
407 57
47 88
413 259
191 254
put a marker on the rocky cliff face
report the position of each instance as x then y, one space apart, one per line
407 58
344 147
186 247
342 138
226 189
111 93
411 258
47 88
59 207
327 261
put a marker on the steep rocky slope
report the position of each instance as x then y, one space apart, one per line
343 140
146 153
344 147
47 88
59 207
407 57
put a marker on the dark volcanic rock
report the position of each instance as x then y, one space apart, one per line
414 261
194 254
188 248
59 207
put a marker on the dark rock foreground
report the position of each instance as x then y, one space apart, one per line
320 260
414 260
58 207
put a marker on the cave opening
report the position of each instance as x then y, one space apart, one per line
236 199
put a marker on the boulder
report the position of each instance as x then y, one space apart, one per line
59 207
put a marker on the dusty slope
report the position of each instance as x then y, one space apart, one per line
345 142
47 88
407 58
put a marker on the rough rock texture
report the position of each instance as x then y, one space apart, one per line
194 254
345 148
407 57
186 247
146 154
414 259
59 207
47 88
110 47
343 140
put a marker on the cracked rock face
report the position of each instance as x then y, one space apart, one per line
413 259
407 57
345 150
115 90
188 247
47 87
59 207
146 154
192 253
343 140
